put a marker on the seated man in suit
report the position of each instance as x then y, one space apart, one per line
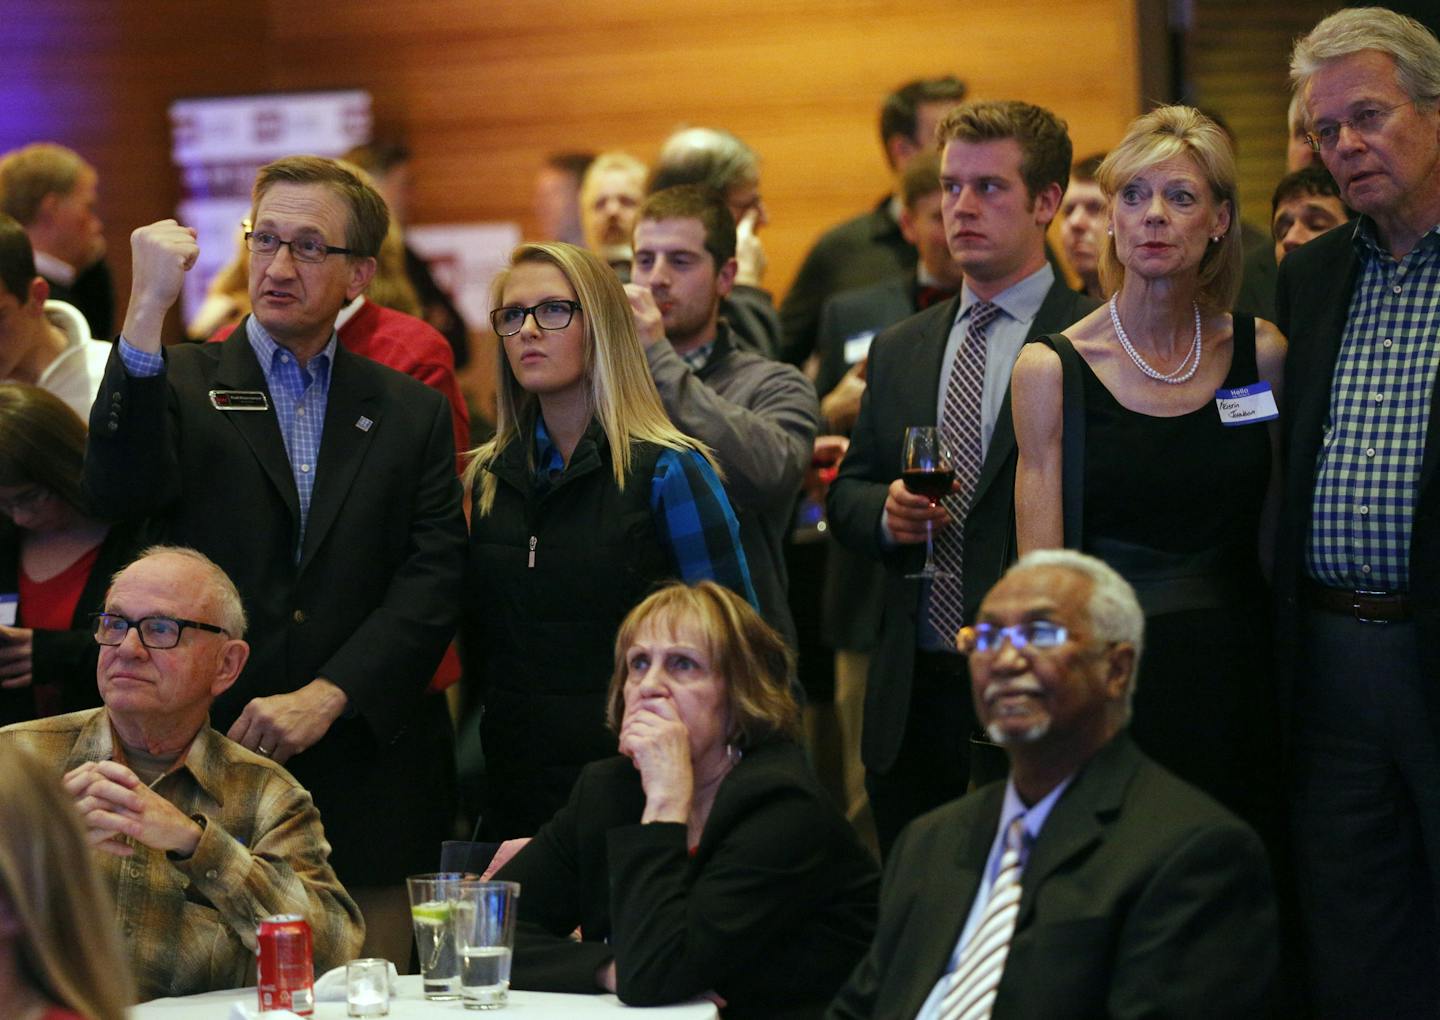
1092 883
197 837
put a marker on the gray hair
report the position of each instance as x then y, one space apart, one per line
1413 47
706 156
223 594
1113 612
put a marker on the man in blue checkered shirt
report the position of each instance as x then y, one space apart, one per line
1358 567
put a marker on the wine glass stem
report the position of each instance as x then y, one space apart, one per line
929 547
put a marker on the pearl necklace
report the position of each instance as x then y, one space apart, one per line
1174 378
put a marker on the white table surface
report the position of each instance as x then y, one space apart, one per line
408 1005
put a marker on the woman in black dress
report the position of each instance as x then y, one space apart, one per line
1179 463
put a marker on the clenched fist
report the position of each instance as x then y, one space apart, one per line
161 254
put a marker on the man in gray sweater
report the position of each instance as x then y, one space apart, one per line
758 416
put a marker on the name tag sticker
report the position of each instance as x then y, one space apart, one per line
1246 405
857 346
239 400
9 609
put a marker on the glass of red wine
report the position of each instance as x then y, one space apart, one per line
927 470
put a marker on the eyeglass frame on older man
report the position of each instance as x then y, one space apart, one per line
139 627
302 249
1364 122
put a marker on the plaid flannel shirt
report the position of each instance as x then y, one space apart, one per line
189 924
1369 464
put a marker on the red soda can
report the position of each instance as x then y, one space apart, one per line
286 969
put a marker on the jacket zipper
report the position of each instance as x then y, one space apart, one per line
533 540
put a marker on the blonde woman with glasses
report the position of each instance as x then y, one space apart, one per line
584 500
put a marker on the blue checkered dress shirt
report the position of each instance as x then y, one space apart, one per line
1369 464
299 397
691 512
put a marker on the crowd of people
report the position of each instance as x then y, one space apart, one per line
227 602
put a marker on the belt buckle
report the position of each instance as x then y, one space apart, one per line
1355 604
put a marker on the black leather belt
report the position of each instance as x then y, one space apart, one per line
1365 606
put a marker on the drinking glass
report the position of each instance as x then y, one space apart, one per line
432 901
927 470
484 921
367 987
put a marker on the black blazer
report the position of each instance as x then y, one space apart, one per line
65 658
372 602
1317 282
901 383
772 911
1141 898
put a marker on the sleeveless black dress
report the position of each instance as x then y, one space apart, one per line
1173 504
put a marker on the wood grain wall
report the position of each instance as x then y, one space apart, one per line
482 89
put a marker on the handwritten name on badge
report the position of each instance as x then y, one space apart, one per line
1246 405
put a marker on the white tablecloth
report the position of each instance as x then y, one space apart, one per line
408 1005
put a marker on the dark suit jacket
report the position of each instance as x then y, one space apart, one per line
856 253
901 380
373 601
854 593
65 658
1141 898
772 910
1316 284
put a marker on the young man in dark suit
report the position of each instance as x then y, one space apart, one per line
1358 556
1091 883
324 484
1004 166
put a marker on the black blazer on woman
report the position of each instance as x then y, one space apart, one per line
771 911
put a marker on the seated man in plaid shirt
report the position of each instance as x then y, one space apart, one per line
198 837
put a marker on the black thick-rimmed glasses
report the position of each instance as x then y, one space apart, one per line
302 249
154 631
510 319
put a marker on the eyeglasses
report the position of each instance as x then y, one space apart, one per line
510 319
1365 122
304 249
986 638
25 500
154 631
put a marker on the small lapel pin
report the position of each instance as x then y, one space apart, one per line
363 423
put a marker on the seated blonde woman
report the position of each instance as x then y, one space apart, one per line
704 858
60 956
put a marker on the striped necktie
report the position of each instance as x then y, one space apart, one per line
960 425
976 979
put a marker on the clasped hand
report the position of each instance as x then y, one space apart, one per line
653 737
113 802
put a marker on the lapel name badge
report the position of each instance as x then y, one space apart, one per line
9 609
1246 405
239 400
363 423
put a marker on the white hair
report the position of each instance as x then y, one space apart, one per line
1413 47
220 590
1113 612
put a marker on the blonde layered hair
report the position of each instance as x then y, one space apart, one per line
745 652
621 393
68 949
1172 132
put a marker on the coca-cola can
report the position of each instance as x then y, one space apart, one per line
285 970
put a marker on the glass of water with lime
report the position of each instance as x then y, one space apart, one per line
433 898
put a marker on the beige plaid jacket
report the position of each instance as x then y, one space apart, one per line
190 924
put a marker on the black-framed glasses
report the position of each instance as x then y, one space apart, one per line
985 637
302 249
1365 122
510 319
154 631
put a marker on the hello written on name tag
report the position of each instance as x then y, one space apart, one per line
1246 405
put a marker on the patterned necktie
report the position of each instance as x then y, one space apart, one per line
960 425
976 979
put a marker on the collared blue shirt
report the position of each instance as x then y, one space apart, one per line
1368 469
1034 821
691 512
299 396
